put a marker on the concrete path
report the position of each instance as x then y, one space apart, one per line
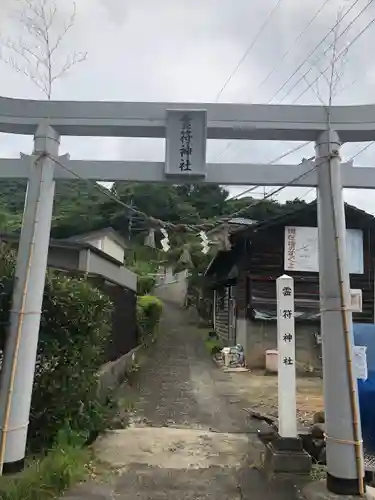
190 437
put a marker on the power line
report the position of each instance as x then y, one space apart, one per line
234 197
300 66
297 148
190 227
364 148
307 192
339 56
106 192
344 51
284 155
289 50
268 195
249 48
314 50
229 145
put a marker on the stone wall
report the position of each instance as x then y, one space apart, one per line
174 292
262 335
112 374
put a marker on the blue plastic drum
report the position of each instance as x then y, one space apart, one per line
364 334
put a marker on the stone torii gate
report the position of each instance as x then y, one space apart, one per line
186 128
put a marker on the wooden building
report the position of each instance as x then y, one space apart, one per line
244 281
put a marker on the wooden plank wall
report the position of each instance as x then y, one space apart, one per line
265 263
222 314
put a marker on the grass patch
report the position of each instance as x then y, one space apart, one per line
318 472
66 464
213 345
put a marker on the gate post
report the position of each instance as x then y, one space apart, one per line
285 454
18 369
286 347
343 428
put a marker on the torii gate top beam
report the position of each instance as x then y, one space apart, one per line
224 121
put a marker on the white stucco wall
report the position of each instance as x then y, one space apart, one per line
113 249
89 262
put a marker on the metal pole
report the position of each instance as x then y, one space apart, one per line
343 430
130 224
17 374
214 311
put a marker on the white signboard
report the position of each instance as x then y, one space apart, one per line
360 362
356 300
286 357
302 254
186 143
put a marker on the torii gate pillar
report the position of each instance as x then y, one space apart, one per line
340 384
17 375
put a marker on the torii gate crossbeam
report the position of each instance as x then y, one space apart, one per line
186 128
231 174
224 121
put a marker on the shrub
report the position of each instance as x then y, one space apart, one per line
145 270
213 345
149 309
73 337
145 284
47 477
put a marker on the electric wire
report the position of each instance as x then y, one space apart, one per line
314 50
168 224
249 48
230 144
344 32
278 190
344 51
364 148
291 151
165 224
291 47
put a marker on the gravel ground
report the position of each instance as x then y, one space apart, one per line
190 436
260 392
181 386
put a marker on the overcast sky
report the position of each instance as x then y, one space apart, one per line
185 50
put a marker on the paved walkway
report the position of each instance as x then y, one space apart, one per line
190 437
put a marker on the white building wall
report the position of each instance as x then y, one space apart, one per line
97 243
172 287
109 246
91 263
113 249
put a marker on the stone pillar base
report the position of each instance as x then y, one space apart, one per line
318 491
286 455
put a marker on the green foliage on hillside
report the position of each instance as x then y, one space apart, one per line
80 207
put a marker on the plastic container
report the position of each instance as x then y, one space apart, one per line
364 334
226 355
272 360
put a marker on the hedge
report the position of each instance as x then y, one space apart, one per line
149 310
73 337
